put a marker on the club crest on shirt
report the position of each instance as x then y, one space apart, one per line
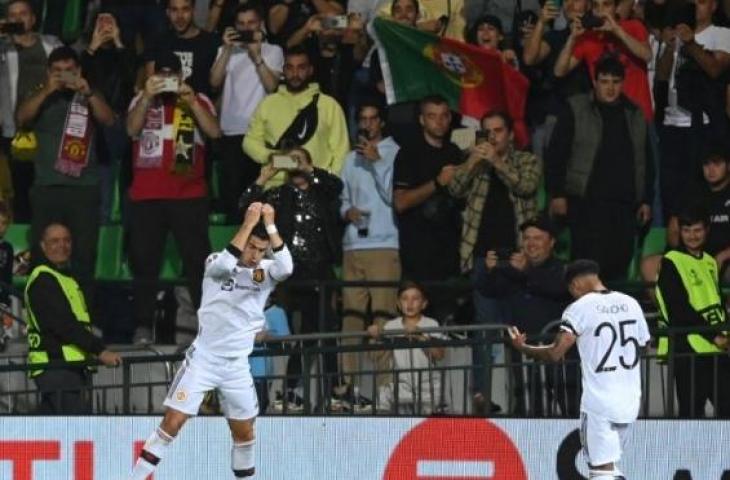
181 395
228 285
258 275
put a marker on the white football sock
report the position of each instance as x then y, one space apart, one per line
242 459
152 452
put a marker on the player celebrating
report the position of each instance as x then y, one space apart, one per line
611 331
236 284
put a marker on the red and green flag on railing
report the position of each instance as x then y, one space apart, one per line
473 80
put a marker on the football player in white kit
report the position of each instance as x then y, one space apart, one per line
610 330
237 282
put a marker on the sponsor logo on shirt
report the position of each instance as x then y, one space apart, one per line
612 309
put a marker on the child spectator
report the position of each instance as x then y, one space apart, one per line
419 387
262 367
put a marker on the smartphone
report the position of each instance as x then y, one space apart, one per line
480 137
503 256
68 77
12 28
464 138
247 36
284 162
590 21
558 3
335 22
170 84
362 135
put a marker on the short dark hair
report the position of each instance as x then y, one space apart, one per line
63 53
692 215
471 33
609 64
508 122
371 103
580 268
431 100
51 225
248 7
259 231
415 4
410 284
167 3
298 50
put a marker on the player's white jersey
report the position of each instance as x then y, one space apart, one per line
234 296
611 329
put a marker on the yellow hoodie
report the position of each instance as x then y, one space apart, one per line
329 144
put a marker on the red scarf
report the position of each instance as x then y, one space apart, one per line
73 155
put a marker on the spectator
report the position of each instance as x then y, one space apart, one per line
168 191
110 67
688 71
688 294
59 330
541 50
419 387
143 19
444 18
370 243
298 114
262 368
6 255
289 17
196 48
307 208
428 217
64 114
21 73
506 11
529 284
500 186
714 198
590 39
488 33
248 72
599 171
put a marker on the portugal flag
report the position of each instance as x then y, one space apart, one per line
473 80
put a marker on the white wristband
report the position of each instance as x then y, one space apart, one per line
271 229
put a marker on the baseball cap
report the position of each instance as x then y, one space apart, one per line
541 223
168 60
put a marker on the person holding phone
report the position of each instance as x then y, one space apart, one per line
307 207
247 71
168 122
26 53
111 68
370 242
65 114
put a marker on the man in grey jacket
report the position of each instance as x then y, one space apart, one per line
23 57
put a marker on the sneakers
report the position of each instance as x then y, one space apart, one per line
480 408
294 403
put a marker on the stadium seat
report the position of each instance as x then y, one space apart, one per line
221 235
110 254
18 235
654 243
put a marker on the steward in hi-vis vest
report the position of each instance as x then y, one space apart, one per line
688 294
59 330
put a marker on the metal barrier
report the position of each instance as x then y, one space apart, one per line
406 387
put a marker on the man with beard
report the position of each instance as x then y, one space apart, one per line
168 122
196 48
298 114
64 114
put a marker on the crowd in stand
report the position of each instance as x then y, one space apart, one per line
285 100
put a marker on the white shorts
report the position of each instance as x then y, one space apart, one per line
202 372
602 439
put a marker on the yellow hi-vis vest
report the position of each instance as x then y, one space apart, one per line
71 353
700 279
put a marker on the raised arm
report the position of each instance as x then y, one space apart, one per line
283 265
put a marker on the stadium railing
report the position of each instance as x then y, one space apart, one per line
139 386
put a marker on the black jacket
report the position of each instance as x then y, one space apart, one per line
535 296
326 188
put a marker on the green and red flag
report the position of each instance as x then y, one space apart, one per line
473 80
